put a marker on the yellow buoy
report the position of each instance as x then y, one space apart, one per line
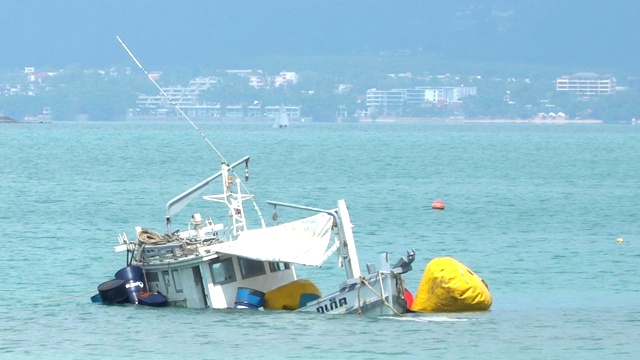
448 285
620 240
292 296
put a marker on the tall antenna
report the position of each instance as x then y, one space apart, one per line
255 205
169 99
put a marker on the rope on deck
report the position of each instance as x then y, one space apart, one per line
365 282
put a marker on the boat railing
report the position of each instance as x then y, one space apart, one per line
199 233
170 252
162 252
302 207
179 202
124 244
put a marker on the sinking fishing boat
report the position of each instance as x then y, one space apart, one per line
227 265
223 262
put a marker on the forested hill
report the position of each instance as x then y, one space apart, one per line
584 33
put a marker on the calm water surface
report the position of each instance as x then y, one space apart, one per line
535 210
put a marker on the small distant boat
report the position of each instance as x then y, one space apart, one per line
37 119
282 119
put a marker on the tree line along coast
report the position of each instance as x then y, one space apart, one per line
325 93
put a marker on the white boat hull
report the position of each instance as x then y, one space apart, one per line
380 295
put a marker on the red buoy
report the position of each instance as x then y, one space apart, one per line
438 205
409 298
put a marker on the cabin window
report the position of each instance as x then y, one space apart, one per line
274 267
222 271
250 268
152 277
278 266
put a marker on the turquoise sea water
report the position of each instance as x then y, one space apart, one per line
535 210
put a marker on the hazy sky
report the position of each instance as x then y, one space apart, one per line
48 33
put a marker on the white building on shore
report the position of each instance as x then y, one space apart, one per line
586 84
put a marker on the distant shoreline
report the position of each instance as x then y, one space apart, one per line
7 120
380 120
238 119
476 121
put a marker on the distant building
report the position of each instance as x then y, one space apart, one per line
262 81
183 97
284 78
204 82
342 88
418 95
586 84
257 81
274 111
188 99
448 94
385 98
